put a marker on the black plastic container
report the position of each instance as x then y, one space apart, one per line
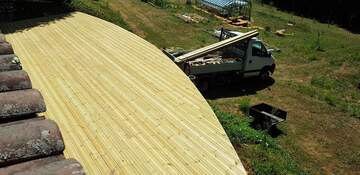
266 116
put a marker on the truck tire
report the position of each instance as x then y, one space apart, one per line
187 69
264 73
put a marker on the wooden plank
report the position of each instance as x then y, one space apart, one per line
214 47
122 106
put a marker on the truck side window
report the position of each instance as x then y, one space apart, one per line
264 50
256 49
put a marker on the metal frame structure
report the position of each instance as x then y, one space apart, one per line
229 7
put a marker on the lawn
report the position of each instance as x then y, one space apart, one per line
316 82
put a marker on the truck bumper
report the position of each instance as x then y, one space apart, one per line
272 68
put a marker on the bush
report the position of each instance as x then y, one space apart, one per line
244 105
160 3
239 130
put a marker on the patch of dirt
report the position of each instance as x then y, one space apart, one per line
312 147
283 70
345 70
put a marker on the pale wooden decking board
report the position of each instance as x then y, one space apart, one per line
123 107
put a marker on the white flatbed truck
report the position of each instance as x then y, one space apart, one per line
237 54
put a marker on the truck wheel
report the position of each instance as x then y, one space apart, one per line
264 74
202 85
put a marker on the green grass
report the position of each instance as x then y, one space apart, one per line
333 73
161 26
327 92
265 155
98 8
244 105
197 34
317 88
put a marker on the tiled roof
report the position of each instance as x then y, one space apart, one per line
29 143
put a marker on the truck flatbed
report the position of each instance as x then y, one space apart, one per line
214 47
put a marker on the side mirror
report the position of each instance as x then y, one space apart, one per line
269 52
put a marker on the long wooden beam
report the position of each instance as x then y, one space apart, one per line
214 47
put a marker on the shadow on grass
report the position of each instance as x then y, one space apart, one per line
23 25
30 14
241 87
273 131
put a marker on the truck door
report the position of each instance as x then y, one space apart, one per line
257 58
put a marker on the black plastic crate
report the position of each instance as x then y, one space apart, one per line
266 116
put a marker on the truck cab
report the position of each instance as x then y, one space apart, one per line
256 58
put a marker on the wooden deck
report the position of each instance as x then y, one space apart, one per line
122 106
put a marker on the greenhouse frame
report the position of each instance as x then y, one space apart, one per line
229 7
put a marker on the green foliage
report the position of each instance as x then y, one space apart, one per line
331 14
355 57
330 99
159 3
244 105
100 9
239 131
265 155
273 162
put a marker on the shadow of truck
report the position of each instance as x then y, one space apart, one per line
235 87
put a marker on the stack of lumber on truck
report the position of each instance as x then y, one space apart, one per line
29 143
123 107
216 46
